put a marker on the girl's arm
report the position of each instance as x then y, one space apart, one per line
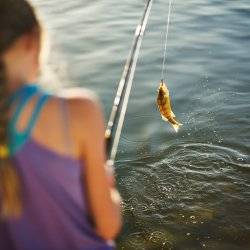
104 200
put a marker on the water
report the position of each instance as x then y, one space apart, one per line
189 190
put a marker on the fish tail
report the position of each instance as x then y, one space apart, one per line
176 126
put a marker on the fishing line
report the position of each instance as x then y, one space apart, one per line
164 65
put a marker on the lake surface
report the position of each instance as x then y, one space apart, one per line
189 190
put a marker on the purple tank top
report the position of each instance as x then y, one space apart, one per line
55 213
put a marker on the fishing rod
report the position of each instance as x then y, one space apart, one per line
117 116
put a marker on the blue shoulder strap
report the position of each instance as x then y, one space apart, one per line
17 139
35 115
21 98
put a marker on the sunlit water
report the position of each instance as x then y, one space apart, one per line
189 190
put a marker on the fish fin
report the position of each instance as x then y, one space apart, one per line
164 118
172 114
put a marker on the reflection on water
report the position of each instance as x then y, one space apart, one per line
189 190
190 194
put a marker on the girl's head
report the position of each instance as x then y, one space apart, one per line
20 36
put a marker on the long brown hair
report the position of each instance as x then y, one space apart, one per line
17 18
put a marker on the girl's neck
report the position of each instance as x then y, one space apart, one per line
15 85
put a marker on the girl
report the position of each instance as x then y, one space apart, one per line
55 193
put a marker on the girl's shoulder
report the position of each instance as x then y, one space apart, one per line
80 103
84 112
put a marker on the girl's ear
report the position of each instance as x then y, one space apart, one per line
30 41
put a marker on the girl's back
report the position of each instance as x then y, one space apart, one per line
55 213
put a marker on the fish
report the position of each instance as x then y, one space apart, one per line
164 106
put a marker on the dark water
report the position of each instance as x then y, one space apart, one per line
189 190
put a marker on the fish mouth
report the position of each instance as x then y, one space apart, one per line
162 85
162 90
